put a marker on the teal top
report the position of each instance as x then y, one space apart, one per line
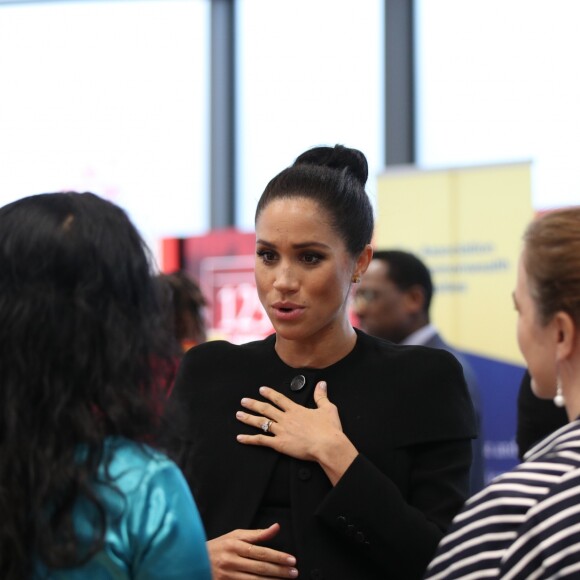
153 527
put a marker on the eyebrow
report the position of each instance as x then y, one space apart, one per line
295 246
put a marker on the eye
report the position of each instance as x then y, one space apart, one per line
312 258
366 295
267 256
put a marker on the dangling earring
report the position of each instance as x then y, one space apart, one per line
356 279
559 398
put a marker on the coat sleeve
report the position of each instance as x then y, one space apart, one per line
369 510
399 526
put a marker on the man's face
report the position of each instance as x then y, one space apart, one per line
383 310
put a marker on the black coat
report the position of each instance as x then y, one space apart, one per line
405 408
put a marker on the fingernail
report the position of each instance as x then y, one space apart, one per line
240 414
322 385
262 390
241 438
291 560
293 573
244 401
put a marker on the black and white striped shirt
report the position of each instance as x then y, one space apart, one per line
525 523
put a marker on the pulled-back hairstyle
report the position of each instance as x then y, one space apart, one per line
335 178
407 270
82 356
552 262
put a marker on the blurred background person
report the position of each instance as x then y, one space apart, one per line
393 302
84 364
526 523
186 309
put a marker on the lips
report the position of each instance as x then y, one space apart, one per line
287 310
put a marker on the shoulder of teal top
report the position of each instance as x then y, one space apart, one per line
153 526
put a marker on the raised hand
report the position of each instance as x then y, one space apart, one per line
300 432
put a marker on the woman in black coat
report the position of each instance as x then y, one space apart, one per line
320 451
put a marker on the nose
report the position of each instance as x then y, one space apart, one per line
359 310
359 314
359 305
285 279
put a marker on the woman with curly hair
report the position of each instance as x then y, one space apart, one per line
83 367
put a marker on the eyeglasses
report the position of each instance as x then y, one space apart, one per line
364 296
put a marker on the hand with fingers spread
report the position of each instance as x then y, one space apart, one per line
235 556
300 432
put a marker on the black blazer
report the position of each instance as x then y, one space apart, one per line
477 474
405 408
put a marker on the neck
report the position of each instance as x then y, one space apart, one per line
570 377
403 333
417 322
571 392
320 351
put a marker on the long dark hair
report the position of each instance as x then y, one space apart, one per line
83 355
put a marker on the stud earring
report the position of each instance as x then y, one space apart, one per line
356 279
559 398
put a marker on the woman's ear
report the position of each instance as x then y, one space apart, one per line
566 334
363 261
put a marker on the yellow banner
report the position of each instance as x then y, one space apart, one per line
467 225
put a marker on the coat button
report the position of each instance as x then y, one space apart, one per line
304 474
349 531
297 383
341 521
359 538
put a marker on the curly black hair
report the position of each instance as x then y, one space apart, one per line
83 355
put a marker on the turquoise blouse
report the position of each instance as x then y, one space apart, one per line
153 527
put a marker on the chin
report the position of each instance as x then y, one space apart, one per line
288 332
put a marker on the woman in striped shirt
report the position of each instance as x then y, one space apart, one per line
526 523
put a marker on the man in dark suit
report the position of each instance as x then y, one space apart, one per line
392 302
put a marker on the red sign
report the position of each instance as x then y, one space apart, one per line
235 312
223 263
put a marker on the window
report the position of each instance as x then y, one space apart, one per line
109 97
309 73
496 81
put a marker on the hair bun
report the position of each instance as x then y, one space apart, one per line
337 157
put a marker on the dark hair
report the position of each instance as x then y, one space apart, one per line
186 306
552 262
82 356
335 178
407 270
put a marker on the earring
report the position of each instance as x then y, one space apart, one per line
356 279
559 398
